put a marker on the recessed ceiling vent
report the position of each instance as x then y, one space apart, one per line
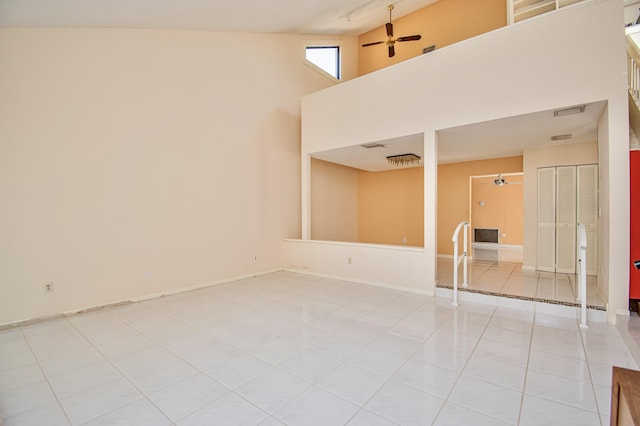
372 145
569 111
561 137
403 159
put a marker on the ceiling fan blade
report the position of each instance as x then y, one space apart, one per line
389 29
372 44
392 51
409 38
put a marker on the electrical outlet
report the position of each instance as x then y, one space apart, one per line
404 240
349 260
48 287
254 258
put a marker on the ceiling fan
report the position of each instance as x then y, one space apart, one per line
391 41
500 181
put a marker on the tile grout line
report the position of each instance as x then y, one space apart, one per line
446 399
526 371
45 377
593 389
107 359
409 358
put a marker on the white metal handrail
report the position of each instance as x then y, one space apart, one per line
457 259
582 274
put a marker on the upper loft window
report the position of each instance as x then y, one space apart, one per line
327 58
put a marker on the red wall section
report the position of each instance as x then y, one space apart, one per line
634 274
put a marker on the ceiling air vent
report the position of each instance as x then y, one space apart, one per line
561 137
372 145
569 111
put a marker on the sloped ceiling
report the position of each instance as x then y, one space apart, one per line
336 17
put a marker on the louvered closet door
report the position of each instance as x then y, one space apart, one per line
547 219
587 213
566 220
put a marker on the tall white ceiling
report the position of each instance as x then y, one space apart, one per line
279 16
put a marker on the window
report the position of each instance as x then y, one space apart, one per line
327 58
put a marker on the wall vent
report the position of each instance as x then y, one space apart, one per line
485 235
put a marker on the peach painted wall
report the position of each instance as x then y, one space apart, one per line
391 207
442 23
499 207
334 202
453 192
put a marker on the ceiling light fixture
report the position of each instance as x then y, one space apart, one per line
403 159
569 111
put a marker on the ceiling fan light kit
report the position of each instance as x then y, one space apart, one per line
391 41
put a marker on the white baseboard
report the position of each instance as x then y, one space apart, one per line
494 245
134 299
365 282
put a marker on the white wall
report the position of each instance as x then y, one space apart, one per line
570 57
562 155
401 269
136 162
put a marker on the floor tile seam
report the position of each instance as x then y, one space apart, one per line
324 376
595 411
466 363
142 397
482 379
390 378
45 378
125 377
239 395
551 373
359 367
275 415
387 381
457 404
526 371
593 389
12 389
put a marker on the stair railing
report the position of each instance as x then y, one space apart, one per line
460 258
582 274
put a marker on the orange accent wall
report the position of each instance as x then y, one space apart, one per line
453 192
442 23
391 207
499 207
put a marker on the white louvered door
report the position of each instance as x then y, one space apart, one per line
547 219
566 220
587 212
567 196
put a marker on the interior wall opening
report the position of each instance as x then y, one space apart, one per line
364 194
507 262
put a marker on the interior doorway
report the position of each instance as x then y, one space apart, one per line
496 212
